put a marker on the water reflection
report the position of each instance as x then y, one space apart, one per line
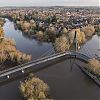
27 45
91 47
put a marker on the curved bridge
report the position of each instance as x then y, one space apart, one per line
38 64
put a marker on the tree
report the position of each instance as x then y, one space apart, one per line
94 66
64 31
88 30
1 32
80 36
34 89
61 44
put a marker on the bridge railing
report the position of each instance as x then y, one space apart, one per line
31 62
54 55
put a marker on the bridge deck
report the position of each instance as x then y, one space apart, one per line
38 64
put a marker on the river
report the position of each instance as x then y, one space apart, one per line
65 84
24 43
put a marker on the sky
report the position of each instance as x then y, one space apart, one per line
49 3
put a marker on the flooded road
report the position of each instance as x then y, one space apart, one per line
65 84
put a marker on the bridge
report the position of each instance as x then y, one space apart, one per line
42 63
39 64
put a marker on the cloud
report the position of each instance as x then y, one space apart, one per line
49 2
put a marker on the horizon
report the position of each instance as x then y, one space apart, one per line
45 3
47 6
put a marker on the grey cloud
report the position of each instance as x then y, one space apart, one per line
49 2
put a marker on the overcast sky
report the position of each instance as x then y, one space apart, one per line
49 3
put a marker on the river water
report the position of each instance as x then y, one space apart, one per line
65 84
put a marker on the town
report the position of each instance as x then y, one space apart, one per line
63 29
